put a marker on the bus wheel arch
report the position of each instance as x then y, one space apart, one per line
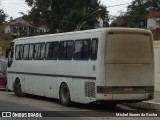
64 94
17 88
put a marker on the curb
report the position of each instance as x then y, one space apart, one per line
144 105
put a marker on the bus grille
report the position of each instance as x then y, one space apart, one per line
89 89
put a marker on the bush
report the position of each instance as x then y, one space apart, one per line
5 36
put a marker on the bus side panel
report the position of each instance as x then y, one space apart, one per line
85 92
38 86
50 84
28 81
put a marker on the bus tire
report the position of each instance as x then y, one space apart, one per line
18 88
65 94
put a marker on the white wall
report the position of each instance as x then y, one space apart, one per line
153 23
7 29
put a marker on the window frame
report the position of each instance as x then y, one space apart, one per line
55 58
32 51
89 49
24 51
40 51
28 58
66 55
94 57
19 49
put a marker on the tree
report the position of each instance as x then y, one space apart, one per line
120 21
137 12
65 15
2 16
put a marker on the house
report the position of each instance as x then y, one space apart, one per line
153 20
20 27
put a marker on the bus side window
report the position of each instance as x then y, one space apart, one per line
19 52
94 48
66 50
51 51
39 50
82 49
30 52
36 49
86 49
69 50
26 52
78 50
42 51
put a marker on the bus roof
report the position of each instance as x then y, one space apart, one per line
109 29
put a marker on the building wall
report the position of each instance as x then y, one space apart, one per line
20 27
7 29
153 23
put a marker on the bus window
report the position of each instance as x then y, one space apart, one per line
26 51
82 49
42 47
69 49
30 51
19 52
66 50
94 49
39 50
51 51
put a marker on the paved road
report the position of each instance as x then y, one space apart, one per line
50 104
10 102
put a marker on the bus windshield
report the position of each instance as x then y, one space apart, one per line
134 48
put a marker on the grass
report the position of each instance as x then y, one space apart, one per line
4 44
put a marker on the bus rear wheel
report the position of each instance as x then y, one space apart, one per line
65 94
18 88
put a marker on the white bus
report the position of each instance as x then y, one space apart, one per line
107 64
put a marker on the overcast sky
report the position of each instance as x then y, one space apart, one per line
13 7
113 6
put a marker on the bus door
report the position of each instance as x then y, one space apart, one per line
10 61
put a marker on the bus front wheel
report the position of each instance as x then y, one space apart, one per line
18 88
65 94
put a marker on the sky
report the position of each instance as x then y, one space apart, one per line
13 7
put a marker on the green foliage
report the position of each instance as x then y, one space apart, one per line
136 13
5 45
65 15
4 36
73 21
